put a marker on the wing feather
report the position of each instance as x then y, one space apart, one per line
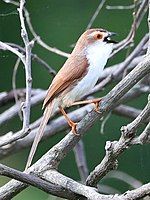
73 69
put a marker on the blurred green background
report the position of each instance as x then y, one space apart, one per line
60 23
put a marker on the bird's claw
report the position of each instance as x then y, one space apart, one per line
73 126
97 107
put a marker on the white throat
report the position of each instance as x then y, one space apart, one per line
98 54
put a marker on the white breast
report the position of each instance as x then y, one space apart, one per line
97 55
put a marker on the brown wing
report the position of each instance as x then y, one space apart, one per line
73 69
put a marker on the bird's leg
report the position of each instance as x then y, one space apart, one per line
95 101
70 122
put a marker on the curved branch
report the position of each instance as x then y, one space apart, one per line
114 149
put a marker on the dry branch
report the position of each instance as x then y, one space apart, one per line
34 57
27 104
81 160
95 14
114 149
60 185
5 46
136 22
129 112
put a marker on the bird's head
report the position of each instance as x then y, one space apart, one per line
99 36
96 39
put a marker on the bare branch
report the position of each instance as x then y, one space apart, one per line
55 177
81 160
138 193
136 51
144 137
148 20
114 149
131 128
37 182
7 97
5 46
134 183
27 64
129 112
14 86
40 41
132 6
136 22
11 112
36 37
34 57
56 125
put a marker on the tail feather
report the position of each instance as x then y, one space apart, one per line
46 116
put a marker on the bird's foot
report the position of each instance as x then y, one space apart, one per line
73 126
96 102
88 101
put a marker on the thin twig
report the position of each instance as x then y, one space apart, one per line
5 46
40 41
14 86
11 112
8 97
27 104
122 176
132 6
131 127
95 14
36 37
128 111
136 51
35 57
136 22
144 137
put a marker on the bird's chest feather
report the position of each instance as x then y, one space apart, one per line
97 56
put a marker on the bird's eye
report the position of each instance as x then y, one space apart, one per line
98 36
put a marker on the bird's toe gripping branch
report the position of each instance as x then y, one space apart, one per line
70 122
73 124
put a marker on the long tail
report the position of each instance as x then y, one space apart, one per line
47 113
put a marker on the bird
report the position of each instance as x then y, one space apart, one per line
77 77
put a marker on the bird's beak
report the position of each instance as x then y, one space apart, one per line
108 38
111 34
